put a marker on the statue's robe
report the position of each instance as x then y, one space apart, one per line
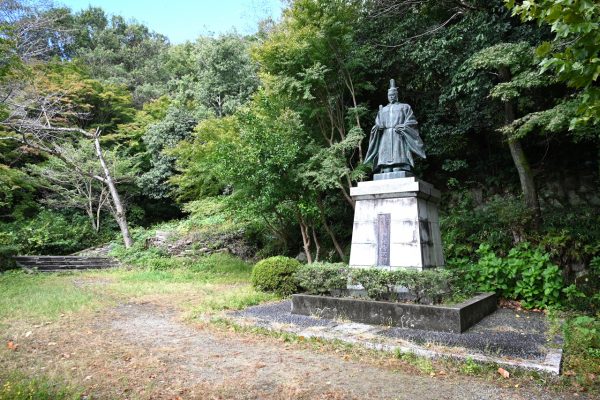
394 138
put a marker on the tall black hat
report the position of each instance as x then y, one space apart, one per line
392 88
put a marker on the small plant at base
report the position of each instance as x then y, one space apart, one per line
424 365
470 367
276 274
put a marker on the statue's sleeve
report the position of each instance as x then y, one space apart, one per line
372 151
411 134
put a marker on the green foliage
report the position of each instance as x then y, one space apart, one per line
470 367
118 51
224 74
525 274
429 286
198 158
322 278
498 221
235 299
18 387
81 100
573 53
377 283
50 232
16 189
582 348
176 126
276 274
67 188
584 293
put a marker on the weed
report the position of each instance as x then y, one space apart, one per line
234 299
470 367
424 365
18 387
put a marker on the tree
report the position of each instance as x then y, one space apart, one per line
119 52
311 61
47 116
68 188
224 73
176 126
511 63
574 53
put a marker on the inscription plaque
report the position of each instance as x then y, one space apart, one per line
383 239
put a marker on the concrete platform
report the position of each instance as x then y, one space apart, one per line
506 337
456 318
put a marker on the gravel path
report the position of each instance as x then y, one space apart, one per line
505 332
245 367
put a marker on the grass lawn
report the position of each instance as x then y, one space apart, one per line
214 283
199 290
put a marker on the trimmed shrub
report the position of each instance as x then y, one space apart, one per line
423 286
276 274
322 278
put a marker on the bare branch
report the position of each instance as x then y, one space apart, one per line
429 32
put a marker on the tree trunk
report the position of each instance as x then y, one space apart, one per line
317 244
337 246
520 160
305 238
526 178
119 214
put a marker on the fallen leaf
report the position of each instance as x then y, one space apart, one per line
442 373
432 374
505 374
569 373
591 376
12 345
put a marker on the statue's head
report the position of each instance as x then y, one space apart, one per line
392 92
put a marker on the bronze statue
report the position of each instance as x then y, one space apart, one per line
394 138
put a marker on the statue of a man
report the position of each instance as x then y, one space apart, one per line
394 137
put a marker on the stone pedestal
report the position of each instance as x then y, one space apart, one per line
396 225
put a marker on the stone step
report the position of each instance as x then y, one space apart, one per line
56 267
67 262
50 258
64 263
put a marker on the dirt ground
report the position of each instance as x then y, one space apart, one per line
146 350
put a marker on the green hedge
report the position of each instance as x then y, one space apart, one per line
276 275
322 278
423 286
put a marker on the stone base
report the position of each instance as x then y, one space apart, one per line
392 175
456 319
396 225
